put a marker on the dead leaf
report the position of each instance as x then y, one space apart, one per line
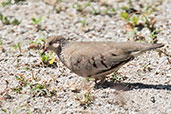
50 2
34 46
129 27
152 21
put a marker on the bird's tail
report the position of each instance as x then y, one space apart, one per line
153 46
143 47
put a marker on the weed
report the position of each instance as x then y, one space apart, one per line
37 21
6 3
38 44
83 22
22 80
38 88
147 68
79 7
110 11
125 16
95 11
130 3
17 1
27 68
34 88
117 77
137 20
6 21
5 111
149 23
148 10
87 99
3 4
48 59
17 89
15 22
17 46
0 41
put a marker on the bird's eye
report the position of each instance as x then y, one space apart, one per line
50 43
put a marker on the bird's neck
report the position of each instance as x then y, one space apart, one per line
59 52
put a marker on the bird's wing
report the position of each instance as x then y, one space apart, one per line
99 58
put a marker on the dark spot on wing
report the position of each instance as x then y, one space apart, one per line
103 63
116 65
94 63
113 54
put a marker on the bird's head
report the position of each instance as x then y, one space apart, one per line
52 43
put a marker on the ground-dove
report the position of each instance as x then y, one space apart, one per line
96 59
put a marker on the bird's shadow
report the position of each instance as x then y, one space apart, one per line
132 86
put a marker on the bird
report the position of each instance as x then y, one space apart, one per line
95 59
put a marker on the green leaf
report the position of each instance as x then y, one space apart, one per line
16 1
7 22
15 22
37 21
6 3
0 41
124 8
52 60
95 11
1 17
83 22
86 5
45 58
76 6
135 20
125 15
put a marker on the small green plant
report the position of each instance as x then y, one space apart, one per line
39 89
27 68
130 3
125 16
148 10
80 7
83 22
5 111
45 58
15 22
38 44
48 58
37 21
147 67
149 23
134 20
6 3
117 77
139 19
0 41
87 99
95 11
32 86
17 46
110 11
22 83
16 1
6 21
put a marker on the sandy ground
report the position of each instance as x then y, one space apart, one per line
29 87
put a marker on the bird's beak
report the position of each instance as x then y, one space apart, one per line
45 49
